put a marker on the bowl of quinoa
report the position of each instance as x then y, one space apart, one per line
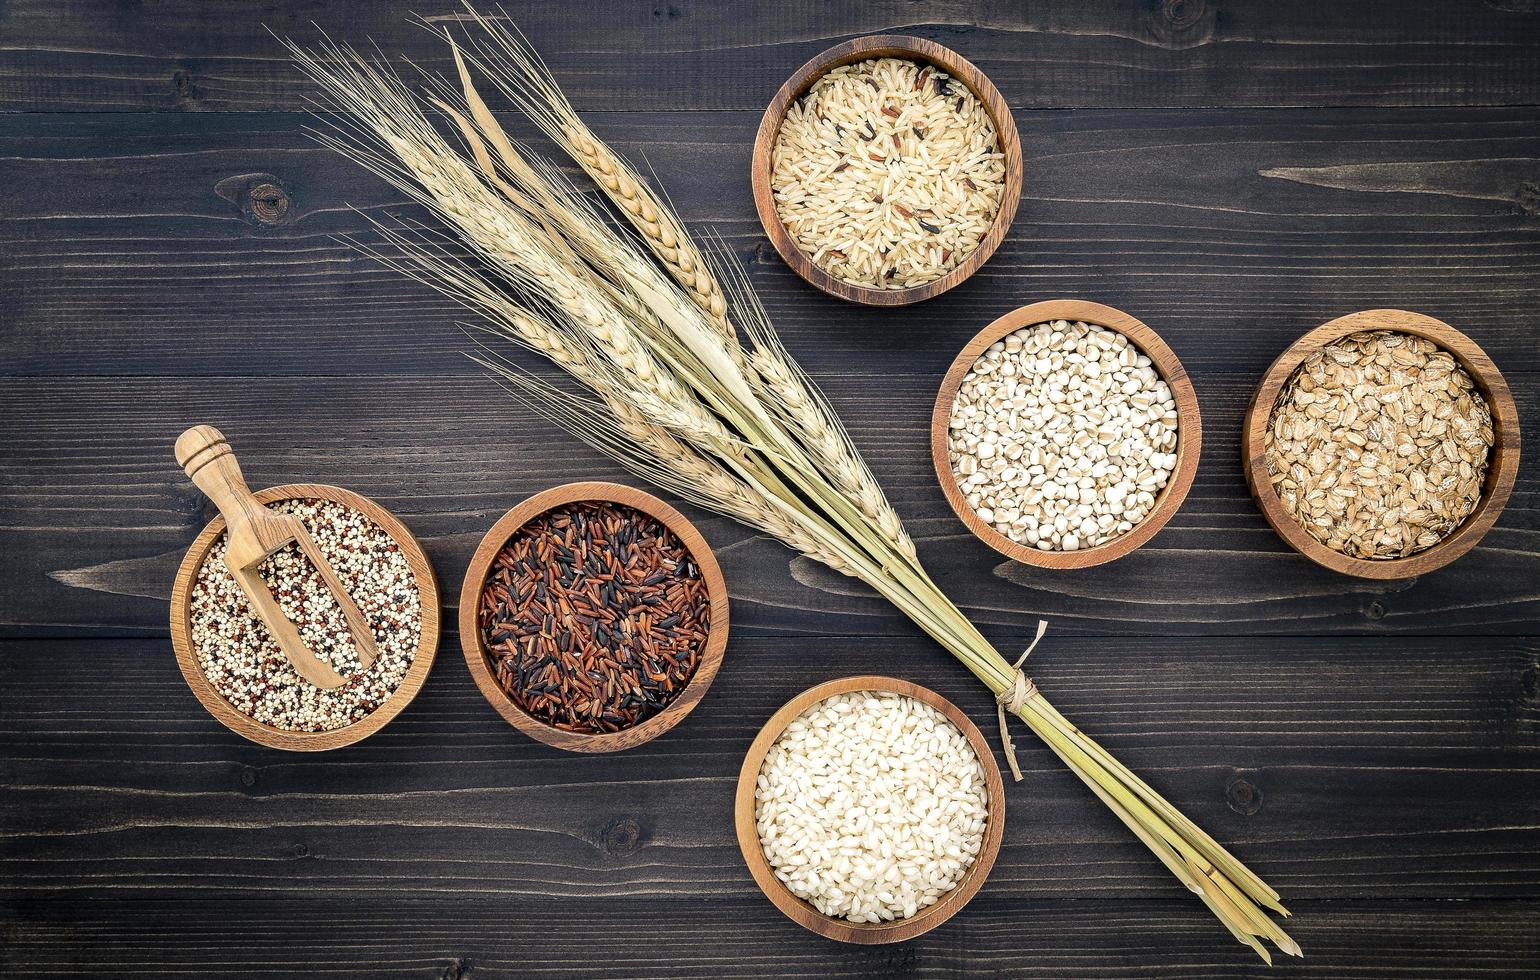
235 667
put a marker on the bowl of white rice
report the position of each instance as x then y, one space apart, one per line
869 809
887 170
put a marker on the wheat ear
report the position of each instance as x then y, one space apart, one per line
812 427
656 225
518 71
419 162
655 454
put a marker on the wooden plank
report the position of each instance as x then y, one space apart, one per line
405 936
1339 769
678 54
95 514
1229 232
1370 748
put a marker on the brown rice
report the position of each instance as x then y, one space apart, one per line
887 173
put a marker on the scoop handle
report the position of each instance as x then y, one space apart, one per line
210 462
252 532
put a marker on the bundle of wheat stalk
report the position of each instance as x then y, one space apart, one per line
671 389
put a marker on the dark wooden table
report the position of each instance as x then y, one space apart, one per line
1233 174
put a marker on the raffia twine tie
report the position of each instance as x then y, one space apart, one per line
1016 694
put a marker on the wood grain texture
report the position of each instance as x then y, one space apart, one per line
1503 464
864 49
190 56
87 556
1231 174
1339 769
802 912
296 741
404 936
1166 363
472 645
1170 216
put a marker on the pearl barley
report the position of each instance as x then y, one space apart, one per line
871 806
1062 435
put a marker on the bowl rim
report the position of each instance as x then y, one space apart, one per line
1502 468
1189 438
279 738
863 49
603 492
803 913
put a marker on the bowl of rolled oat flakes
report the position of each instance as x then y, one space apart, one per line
1382 444
235 667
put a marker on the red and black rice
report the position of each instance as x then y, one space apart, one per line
594 617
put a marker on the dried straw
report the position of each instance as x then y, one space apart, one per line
675 395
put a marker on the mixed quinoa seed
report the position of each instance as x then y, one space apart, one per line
242 660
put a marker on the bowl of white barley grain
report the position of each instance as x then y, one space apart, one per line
1066 434
887 170
1382 444
869 809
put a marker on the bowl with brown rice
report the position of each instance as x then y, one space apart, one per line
887 170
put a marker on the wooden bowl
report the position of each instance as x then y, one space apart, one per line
1189 438
475 650
802 912
279 738
863 49
1502 468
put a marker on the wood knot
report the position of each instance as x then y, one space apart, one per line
183 91
621 836
269 204
248 777
458 969
300 850
1530 681
1375 611
261 198
1529 198
1182 23
900 959
1243 797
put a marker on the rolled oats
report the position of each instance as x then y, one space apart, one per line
1378 445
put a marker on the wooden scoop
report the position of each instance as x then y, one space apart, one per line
253 533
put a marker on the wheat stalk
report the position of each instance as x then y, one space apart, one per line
542 191
811 423
677 397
